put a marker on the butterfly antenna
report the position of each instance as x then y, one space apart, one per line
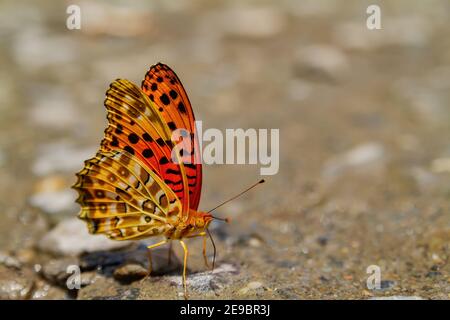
226 219
214 248
236 196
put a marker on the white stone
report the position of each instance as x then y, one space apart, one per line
61 157
54 109
202 281
71 237
362 156
254 285
441 165
256 22
322 57
54 201
34 48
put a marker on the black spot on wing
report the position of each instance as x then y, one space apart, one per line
168 181
163 160
147 153
129 149
147 137
165 99
173 94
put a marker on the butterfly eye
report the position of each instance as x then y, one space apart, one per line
199 222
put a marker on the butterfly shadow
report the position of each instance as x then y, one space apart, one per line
131 263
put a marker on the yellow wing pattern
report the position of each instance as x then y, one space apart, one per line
123 199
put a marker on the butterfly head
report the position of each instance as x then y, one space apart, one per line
201 220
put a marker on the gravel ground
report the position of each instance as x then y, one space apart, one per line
364 146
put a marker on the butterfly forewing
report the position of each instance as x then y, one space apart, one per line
136 126
165 89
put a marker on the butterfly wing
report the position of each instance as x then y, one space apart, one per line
164 88
137 127
122 198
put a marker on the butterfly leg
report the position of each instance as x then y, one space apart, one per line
149 253
204 235
184 267
204 250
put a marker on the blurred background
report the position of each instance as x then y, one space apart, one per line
364 144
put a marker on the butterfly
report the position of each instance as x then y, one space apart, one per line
146 178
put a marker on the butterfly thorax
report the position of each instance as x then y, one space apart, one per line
196 222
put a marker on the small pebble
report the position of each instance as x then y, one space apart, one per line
9 261
45 291
55 270
208 281
322 60
387 285
364 156
14 284
323 240
130 272
254 285
251 286
441 165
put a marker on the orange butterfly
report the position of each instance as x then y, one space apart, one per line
140 183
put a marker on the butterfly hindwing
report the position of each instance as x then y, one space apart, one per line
123 199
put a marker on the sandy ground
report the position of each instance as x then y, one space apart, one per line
364 145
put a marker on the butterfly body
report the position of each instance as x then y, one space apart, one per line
196 223
146 178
